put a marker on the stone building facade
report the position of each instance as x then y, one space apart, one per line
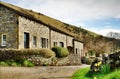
78 48
35 30
8 28
18 30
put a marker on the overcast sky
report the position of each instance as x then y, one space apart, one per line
99 16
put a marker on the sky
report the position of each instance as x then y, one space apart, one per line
99 16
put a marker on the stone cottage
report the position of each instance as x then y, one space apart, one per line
21 28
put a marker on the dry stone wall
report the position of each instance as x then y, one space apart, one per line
39 60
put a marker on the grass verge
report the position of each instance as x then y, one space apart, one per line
84 74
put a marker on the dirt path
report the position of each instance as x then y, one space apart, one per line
51 72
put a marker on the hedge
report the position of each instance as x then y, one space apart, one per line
15 54
60 51
47 53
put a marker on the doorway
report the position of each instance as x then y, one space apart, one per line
26 40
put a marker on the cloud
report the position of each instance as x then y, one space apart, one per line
106 31
103 31
75 9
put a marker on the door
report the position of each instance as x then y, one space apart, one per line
26 40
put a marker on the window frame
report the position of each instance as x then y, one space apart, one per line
76 50
55 44
2 40
26 40
61 44
44 42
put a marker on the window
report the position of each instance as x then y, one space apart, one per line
61 44
55 44
3 43
34 41
44 42
76 51
26 40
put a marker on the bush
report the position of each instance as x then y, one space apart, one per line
17 55
54 61
29 51
14 64
47 53
11 63
43 52
83 60
105 68
45 64
27 63
7 54
91 52
60 51
2 63
90 60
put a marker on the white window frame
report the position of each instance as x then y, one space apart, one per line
2 40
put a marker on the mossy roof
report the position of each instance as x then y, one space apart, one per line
52 23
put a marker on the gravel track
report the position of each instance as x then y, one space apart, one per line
48 72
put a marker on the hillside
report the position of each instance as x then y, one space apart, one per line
93 41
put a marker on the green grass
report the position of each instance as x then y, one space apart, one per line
25 63
84 74
81 74
113 75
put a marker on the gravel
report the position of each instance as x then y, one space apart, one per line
48 72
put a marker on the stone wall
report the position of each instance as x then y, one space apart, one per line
38 60
40 30
69 41
9 27
57 37
72 59
34 29
78 48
